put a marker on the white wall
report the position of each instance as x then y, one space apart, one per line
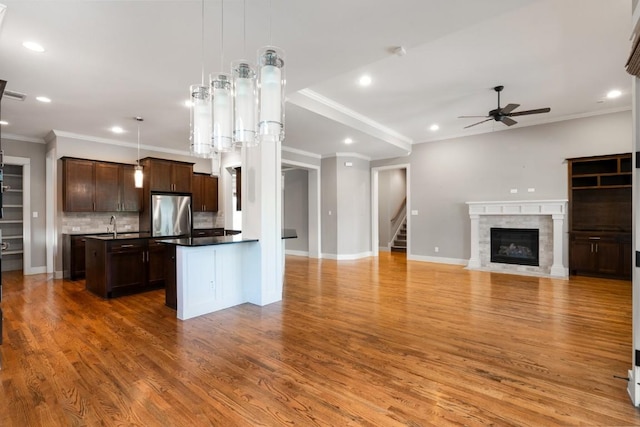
445 174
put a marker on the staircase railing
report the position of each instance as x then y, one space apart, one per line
398 219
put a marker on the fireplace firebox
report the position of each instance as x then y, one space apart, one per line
515 246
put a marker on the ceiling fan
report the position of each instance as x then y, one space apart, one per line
504 114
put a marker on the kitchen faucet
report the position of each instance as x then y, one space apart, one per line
115 226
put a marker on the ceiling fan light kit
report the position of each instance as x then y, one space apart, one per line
504 114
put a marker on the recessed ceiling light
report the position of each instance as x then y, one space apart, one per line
365 80
36 47
43 99
434 127
348 141
117 129
613 94
4 122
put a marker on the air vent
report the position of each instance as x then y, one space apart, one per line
16 96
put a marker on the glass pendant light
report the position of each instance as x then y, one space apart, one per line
200 131
245 99
137 174
200 112
271 93
222 112
245 104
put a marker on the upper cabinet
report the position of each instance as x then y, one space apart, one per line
78 185
91 186
205 193
167 175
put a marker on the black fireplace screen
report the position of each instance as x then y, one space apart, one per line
515 246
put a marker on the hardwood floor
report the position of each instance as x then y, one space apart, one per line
379 342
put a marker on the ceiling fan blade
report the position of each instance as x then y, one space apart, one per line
478 123
524 113
509 108
507 121
470 117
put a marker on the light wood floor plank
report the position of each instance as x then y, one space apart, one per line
373 342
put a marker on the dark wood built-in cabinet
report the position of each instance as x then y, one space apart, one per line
125 266
205 193
93 186
600 215
167 175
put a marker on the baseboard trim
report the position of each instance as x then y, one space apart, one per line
58 275
347 257
35 270
438 260
384 249
296 253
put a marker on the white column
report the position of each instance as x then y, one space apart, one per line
558 269
474 261
262 219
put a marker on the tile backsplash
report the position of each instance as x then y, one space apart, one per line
97 222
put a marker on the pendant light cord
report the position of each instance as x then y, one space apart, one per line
270 17
244 28
221 35
202 42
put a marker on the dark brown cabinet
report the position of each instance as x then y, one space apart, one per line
124 266
598 254
73 256
78 185
167 175
205 193
600 216
91 186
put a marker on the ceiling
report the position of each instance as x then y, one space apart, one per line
108 61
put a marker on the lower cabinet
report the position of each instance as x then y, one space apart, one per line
124 266
600 254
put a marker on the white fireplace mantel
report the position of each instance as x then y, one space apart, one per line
555 208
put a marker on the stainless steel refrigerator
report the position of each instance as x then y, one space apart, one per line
170 215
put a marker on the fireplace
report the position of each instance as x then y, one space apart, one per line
515 246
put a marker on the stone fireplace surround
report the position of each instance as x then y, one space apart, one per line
546 215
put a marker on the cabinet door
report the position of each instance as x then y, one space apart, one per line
130 196
197 202
126 269
107 187
156 264
160 175
608 256
182 176
210 194
77 255
581 256
78 185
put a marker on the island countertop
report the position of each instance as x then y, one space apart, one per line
287 233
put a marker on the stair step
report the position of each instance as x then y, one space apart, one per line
398 249
400 243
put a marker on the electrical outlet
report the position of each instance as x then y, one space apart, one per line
513 190
75 228
436 249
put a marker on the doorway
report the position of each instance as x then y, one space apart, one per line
390 209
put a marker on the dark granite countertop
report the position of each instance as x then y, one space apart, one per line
120 236
207 241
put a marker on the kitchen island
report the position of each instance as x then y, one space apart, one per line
213 273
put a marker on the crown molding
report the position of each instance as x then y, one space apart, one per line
107 141
301 152
15 137
352 155
533 123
